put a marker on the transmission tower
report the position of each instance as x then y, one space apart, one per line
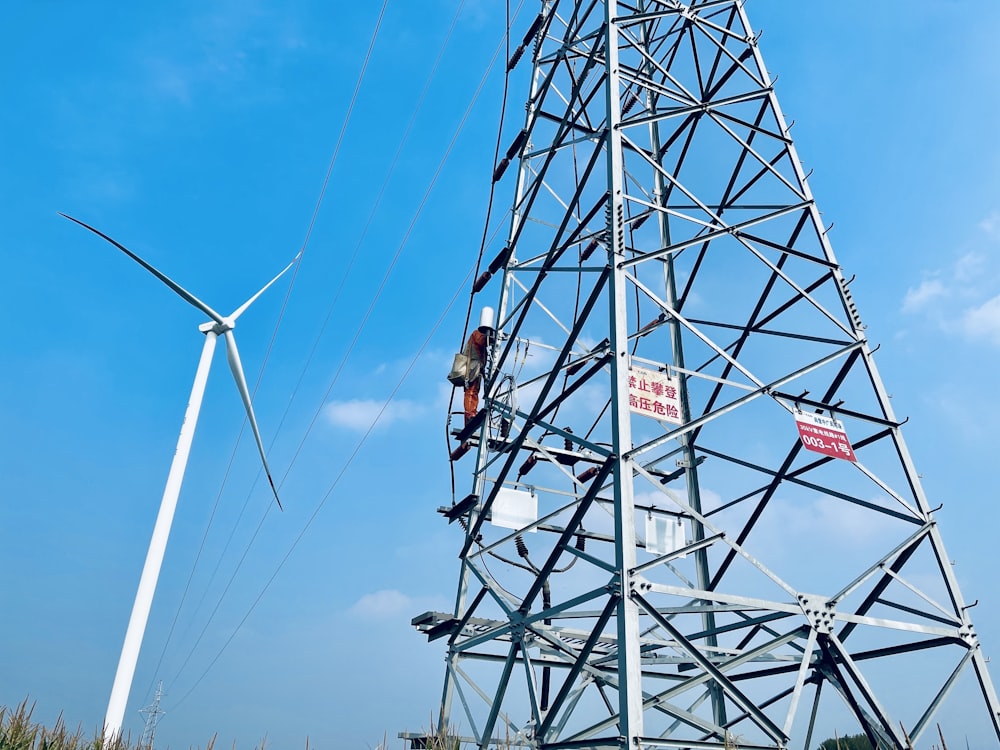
678 376
151 715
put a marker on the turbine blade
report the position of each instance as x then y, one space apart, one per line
233 355
242 308
178 289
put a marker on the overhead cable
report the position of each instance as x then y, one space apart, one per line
361 326
274 334
343 470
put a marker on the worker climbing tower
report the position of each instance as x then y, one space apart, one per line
693 521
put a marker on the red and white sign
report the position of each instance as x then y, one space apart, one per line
824 435
654 394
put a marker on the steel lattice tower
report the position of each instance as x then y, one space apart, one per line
671 316
152 714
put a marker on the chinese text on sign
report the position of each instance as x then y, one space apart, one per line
824 435
654 394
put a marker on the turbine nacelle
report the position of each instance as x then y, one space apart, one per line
216 327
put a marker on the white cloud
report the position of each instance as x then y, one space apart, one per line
852 524
169 80
393 605
983 321
790 527
917 299
971 267
967 415
217 51
382 605
991 224
360 414
962 298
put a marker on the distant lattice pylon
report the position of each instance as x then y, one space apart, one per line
152 715
693 519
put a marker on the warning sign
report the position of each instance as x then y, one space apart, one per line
824 435
654 394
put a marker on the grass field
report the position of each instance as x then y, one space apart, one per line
19 732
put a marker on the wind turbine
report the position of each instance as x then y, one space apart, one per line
219 325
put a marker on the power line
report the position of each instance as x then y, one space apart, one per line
395 258
274 333
356 337
347 464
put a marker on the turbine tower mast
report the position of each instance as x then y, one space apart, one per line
693 516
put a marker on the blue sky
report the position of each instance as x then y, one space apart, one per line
199 134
